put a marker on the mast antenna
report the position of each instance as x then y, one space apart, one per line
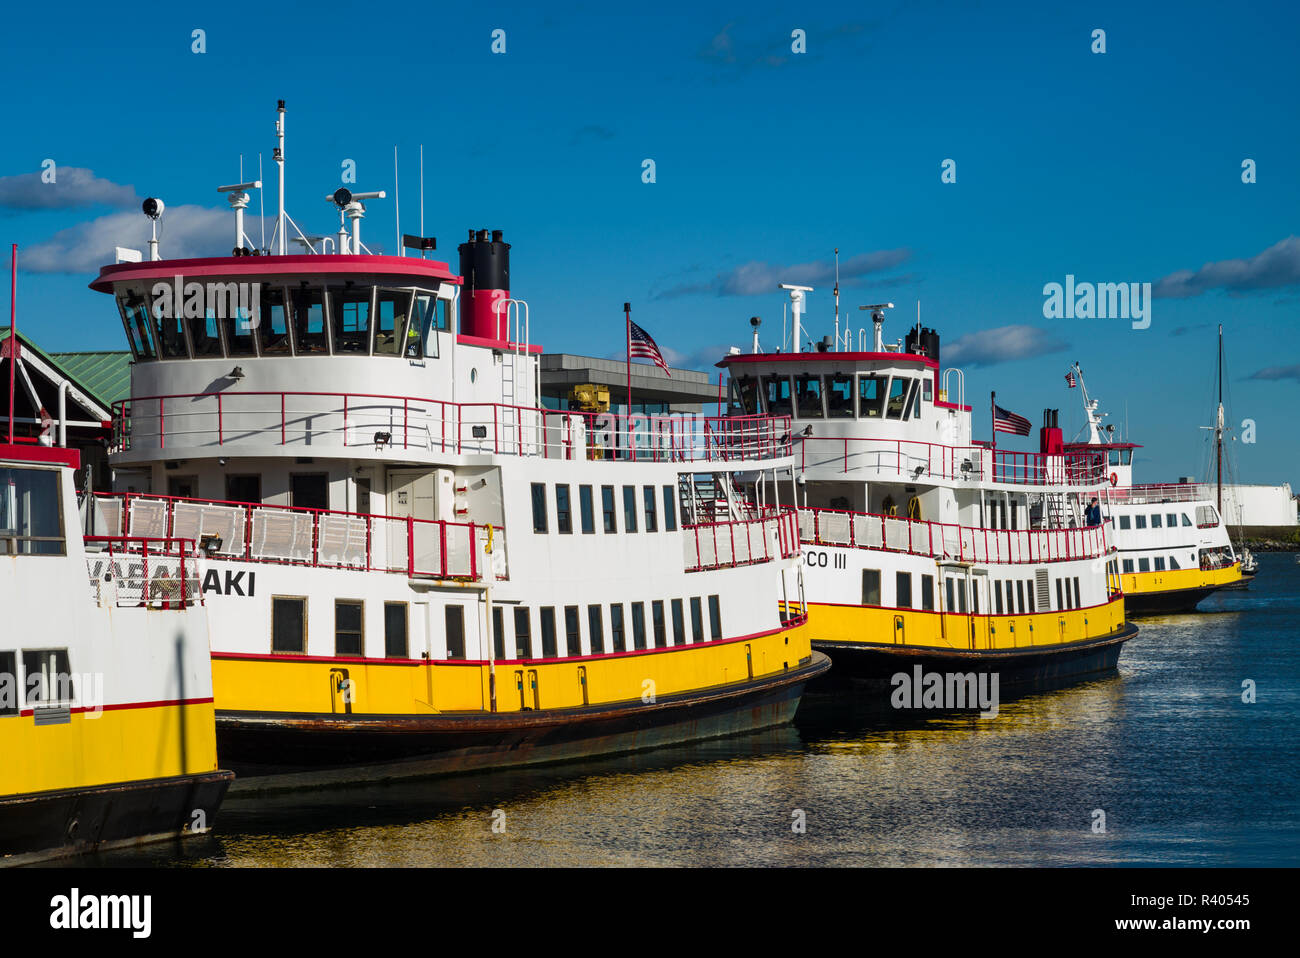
837 299
397 205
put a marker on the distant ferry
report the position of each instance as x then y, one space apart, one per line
413 567
923 547
106 716
1173 544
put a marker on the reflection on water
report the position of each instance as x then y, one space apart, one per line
1185 772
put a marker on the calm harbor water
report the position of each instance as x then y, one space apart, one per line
1185 772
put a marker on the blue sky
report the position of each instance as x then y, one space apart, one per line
1124 166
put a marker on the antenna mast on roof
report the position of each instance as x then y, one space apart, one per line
837 299
279 161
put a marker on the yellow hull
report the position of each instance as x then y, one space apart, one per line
111 746
263 684
866 625
1177 580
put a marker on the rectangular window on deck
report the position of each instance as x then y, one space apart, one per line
871 587
539 507
1171 520
348 627
1128 565
395 630
498 632
455 631
651 509
563 516
1141 522
1144 564
638 625
1076 592
1173 563
670 510
616 628
1020 597
1124 522
549 649
697 620
657 622
679 623
715 617
927 593
952 594
1011 597
1060 602
288 625
1155 521
596 628
523 634
47 677
587 510
903 590
9 684
607 505
997 598
31 513
629 508
961 595
1029 591
572 631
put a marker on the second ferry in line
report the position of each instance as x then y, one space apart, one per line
1174 548
413 567
923 547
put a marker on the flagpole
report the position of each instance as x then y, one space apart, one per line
627 328
13 334
993 413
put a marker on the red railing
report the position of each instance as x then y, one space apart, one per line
736 542
911 459
1154 493
319 538
379 421
941 540
123 566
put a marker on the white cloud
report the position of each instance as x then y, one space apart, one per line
1277 266
73 187
184 231
754 278
1001 344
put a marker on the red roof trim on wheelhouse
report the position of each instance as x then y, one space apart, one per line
297 264
40 454
827 357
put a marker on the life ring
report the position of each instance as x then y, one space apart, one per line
1114 478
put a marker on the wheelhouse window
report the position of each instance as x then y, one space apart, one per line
31 513
897 397
273 322
392 310
745 393
871 396
839 396
776 390
422 338
135 318
205 336
169 328
310 331
350 317
808 397
235 321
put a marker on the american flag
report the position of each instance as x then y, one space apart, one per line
641 345
1070 380
1006 421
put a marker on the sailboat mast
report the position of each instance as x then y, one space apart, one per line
1218 430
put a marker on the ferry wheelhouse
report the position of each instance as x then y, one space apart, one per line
107 735
410 562
921 546
1174 547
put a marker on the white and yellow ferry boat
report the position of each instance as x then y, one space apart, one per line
106 715
1174 548
922 547
411 563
